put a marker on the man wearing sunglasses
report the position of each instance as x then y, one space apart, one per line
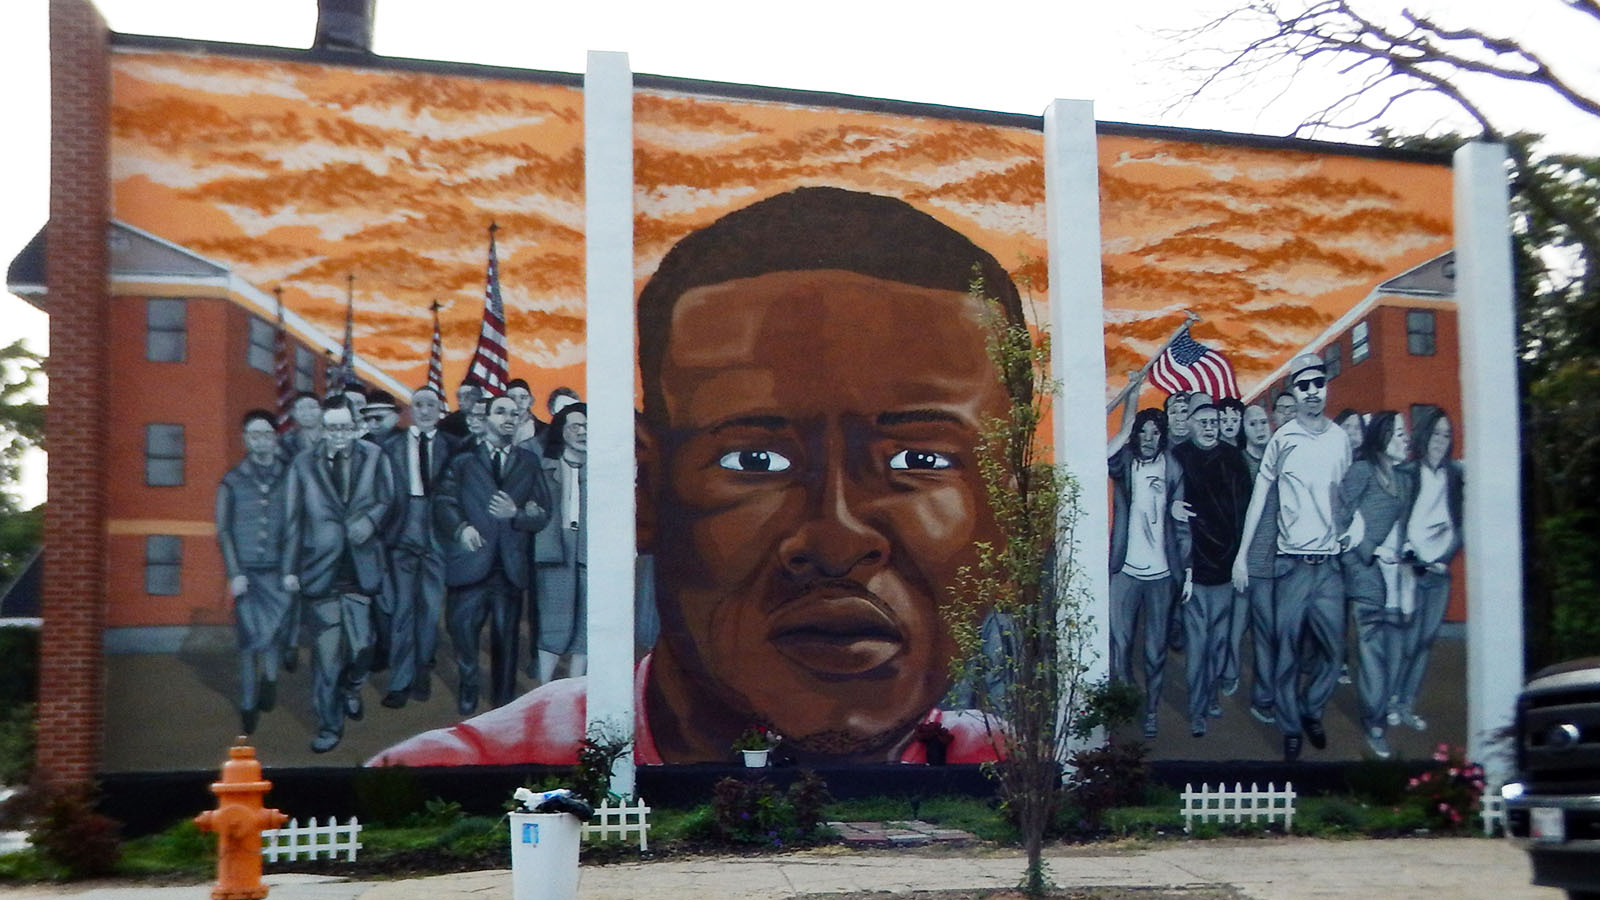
1305 460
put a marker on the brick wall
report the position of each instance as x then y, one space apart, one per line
72 671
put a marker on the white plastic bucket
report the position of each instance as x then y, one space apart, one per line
544 856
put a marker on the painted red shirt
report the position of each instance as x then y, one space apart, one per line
546 726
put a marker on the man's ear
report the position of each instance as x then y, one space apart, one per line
647 481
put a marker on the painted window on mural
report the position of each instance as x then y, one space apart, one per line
1333 360
260 354
163 564
163 455
305 369
1420 332
166 330
1359 348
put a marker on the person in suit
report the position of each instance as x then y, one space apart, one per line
490 503
561 585
417 457
454 423
1432 540
530 428
337 497
1150 552
382 418
250 531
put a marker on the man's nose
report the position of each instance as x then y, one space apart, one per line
835 540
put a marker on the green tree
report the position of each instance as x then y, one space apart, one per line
1026 591
21 428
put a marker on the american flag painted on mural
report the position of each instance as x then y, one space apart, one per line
1188 365
283 366
436 356
488 366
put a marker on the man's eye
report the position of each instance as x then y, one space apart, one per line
754 461
919 459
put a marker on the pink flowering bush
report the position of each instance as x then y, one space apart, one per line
1451 793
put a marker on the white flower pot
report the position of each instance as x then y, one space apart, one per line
755 759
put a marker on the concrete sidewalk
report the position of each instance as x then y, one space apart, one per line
1263 869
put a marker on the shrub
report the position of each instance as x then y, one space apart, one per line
755 812
68 831
1108 776
1451 793
1333 815
387 795
601 749
17 735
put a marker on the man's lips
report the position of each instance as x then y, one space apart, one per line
834 633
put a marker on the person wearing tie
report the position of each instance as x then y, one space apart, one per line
338 495
488 505
417 456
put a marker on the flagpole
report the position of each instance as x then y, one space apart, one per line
1137 379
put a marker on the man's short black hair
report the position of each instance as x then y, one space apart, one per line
1282 394
518 383
341 401
812 229
261 414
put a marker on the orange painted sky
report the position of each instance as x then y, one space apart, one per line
1269 247
296 174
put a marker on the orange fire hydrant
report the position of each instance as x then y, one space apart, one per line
238 820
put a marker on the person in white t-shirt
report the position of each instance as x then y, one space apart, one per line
1149 553
1306 460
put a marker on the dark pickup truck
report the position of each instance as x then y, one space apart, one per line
1553 805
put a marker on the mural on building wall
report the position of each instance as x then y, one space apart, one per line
404 465
813 377
359 565
360 533
1291 565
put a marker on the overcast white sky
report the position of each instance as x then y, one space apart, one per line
1006 55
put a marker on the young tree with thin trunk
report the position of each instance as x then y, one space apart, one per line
1018 614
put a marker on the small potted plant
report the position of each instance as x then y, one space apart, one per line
755 743
935 740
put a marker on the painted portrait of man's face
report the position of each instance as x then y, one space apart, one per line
340 428
1206 427
1256 428
1283 410
1178 417
1310 389
808 526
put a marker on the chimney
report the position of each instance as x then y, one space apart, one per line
344 25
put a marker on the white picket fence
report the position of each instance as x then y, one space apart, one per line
1493 811
621 820
312 840
1238 805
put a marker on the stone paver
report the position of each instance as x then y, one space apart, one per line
913 833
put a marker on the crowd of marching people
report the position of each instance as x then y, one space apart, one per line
1291 526
359 538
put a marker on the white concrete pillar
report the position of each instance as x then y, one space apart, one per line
1488 439
1078 358
608 261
